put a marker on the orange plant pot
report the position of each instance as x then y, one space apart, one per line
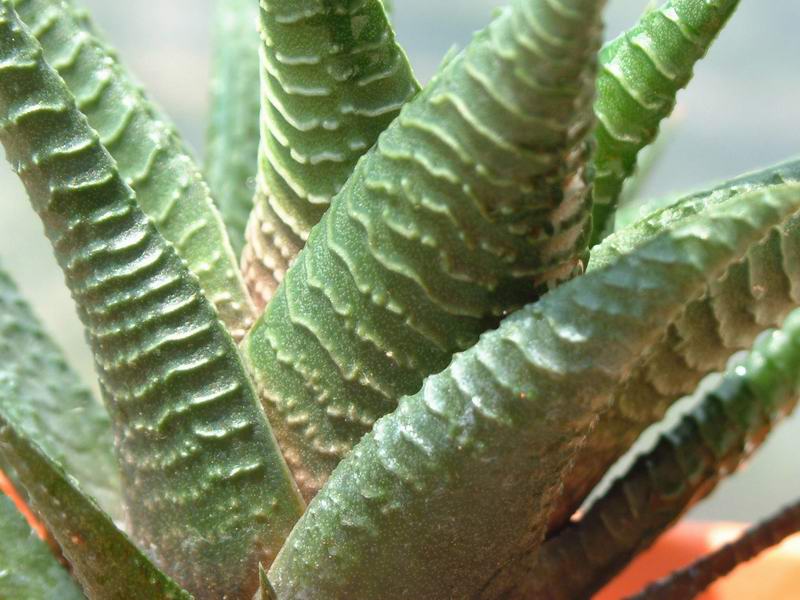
773 575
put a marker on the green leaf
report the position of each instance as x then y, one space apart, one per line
641 73
472 203
753 295
460 478
208 493
233 134
27 567
685 465
103 559
48 401
333 78
147 149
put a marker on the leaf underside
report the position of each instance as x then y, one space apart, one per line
500 426
685 465
465 209
753 295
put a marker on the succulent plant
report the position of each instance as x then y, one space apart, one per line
436 342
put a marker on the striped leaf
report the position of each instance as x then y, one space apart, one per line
207 490
641 73
460 478
471 203
685 465
27 567
753 295
333 78
233 134
150 156
48 401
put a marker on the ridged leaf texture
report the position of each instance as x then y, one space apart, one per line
471 203
333 78
641 73
150 156
712 441
47 399
28 568
102 558
752 296
461 477
208 493
233 134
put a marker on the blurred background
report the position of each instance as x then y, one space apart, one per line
742 111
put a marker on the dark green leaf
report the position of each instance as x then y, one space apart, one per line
148 152
472 202
460 478
207 490
28 570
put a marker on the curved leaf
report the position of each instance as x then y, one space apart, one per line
333 78
472 202
640 75
233 134
208 493
102 558
684 466
753 295
47 399
460 478
149 154
27 567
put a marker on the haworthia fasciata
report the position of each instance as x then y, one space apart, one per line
150 156
461 477
641 73
472 202
208 493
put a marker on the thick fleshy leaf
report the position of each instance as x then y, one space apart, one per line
150 156
47 400
103 559
472 202
208 493
460 478
333 78
753 295
685 465
641 73
27 567
233 134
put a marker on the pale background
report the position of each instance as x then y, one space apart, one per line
742 111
